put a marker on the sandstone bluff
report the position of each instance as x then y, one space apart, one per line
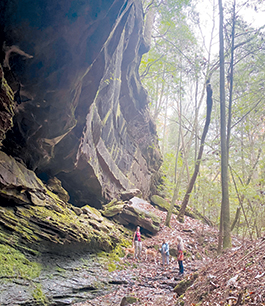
75 134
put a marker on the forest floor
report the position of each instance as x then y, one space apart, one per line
236 277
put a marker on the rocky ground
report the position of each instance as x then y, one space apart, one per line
65 278
234 278
146 282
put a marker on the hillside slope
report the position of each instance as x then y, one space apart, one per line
237 277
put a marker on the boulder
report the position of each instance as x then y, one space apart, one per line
146 220
20 185
183 285
113 210
127 195
77 210
195 214
92 213
132 213
128 300
173 251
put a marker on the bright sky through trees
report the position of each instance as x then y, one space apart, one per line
209 17
249 14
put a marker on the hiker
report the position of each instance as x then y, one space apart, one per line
180 248
137 243
165 253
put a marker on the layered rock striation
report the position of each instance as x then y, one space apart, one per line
80 112
41 220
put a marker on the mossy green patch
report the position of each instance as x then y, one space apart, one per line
160 202
128 300
198 256
112 267
61 270
113 259
183 285
188 254
39 296
15 264
181 300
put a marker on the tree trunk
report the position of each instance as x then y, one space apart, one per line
174 198
178 181
231 79
198 161
164 128
225 209
236 218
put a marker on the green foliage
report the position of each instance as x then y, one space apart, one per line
15 264
171 71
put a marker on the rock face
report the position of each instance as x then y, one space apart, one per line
74 127
6 106
81 112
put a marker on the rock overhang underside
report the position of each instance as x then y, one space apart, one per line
79 111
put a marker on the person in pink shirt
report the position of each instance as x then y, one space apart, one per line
137 243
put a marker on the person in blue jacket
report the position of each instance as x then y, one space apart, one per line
165 253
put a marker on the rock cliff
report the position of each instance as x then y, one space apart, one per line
72 104
74 129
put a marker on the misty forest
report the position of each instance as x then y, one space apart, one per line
131 152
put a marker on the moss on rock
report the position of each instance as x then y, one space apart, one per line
14 264
185 284
43 216
160 202
7 105
92 212
113 210
39 296
128 300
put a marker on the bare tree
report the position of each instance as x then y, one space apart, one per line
185 201
224 231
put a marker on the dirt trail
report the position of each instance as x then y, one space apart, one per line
148 281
